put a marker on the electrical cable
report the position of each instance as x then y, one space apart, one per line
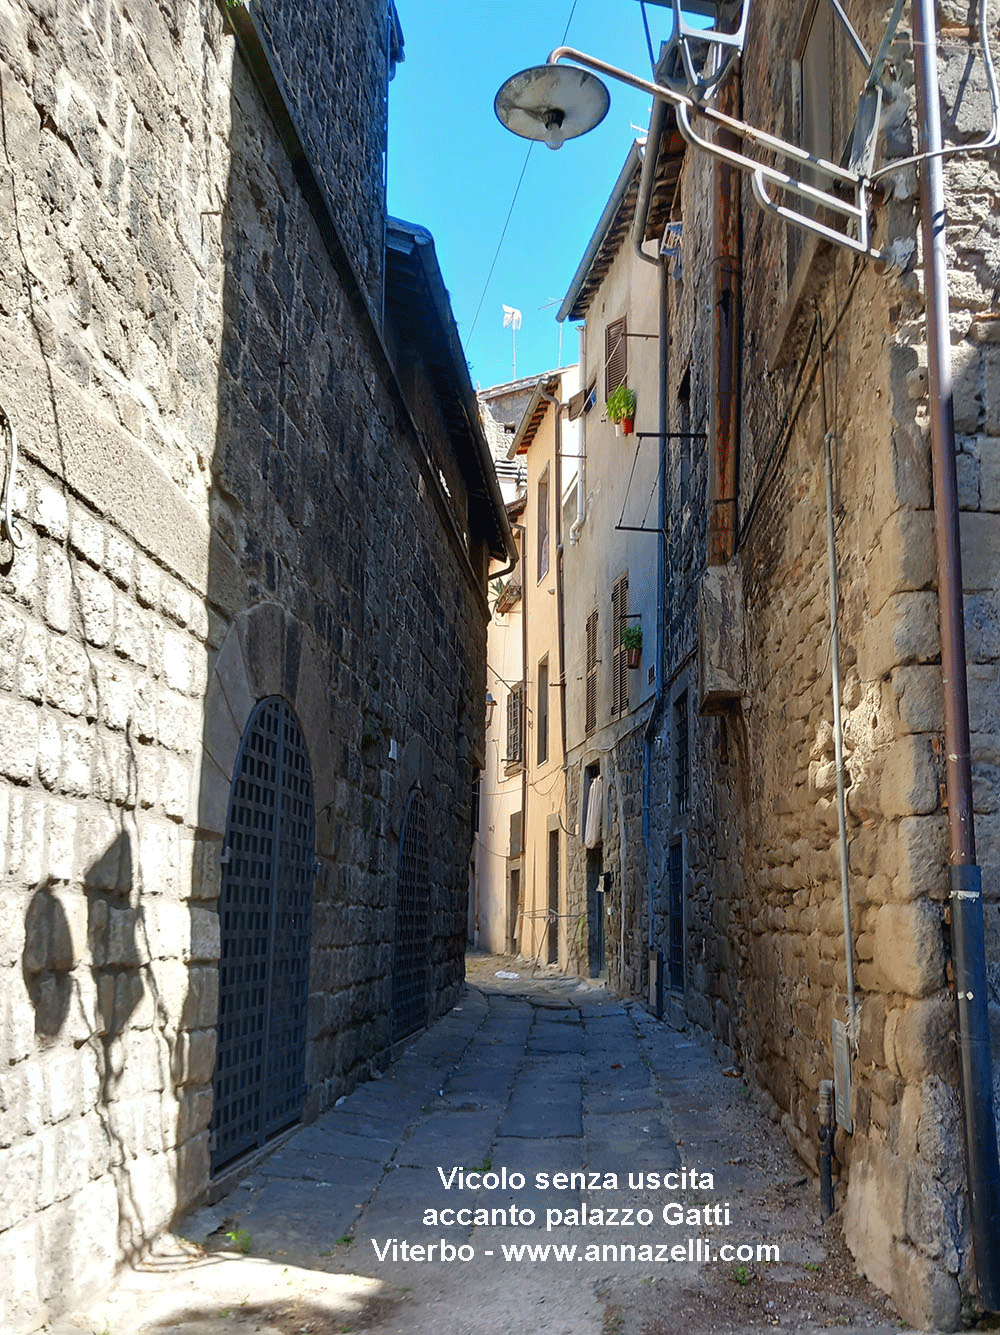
991 140
773 459
513 201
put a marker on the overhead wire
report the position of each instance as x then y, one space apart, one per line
992 139
513 201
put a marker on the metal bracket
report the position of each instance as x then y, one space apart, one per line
854 235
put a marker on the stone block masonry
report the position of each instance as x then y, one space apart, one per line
764 940
224 495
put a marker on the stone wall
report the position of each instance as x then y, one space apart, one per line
765 961
222 495
339 55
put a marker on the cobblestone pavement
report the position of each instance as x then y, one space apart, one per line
527 1078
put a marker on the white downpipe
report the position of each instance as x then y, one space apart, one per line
581 467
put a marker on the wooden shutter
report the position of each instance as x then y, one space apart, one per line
591 673
515 725
619 660
615 356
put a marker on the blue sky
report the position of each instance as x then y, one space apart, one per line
453 167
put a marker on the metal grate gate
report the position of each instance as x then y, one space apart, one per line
675 876
410 956
265 913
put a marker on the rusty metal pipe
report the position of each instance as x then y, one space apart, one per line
969 954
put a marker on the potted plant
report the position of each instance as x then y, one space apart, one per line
632 644
621 409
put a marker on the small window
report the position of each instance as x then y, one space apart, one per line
615 356
619 656
543 523
591 674
515 725
542 713
516 844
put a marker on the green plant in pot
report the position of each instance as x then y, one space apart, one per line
632 644
621 409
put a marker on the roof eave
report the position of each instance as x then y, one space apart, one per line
601 230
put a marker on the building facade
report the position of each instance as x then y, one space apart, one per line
793 765
612 573
495 900
782 348
242 656
546 443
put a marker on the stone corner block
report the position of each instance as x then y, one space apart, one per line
909 948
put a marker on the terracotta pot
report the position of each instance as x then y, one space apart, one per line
628 425
632 657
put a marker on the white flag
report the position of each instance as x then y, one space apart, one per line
511 317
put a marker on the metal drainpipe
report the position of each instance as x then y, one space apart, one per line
838 742
656 123
968 944
519 530
581 474
557 407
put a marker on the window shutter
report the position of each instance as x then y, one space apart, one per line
516 827
615 356
515 724
619 659
591 673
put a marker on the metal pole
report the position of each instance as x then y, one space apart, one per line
968 939
838 742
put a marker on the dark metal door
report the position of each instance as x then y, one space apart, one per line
411 949
265 913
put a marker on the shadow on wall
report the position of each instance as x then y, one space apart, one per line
112 1010
47 962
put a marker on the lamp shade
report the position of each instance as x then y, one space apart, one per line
552 103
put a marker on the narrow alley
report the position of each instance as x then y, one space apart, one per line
356 1223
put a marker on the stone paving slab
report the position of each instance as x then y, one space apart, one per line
533 1075
298 1218
449 1137
326 1138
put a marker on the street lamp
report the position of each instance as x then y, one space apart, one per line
555 102
552 103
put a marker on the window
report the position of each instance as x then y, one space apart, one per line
515 725
590 678
812 111
583 400
542 713
681 794
516 834
543 523
619 658
615 356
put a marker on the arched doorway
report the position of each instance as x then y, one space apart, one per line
265 915
411 948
